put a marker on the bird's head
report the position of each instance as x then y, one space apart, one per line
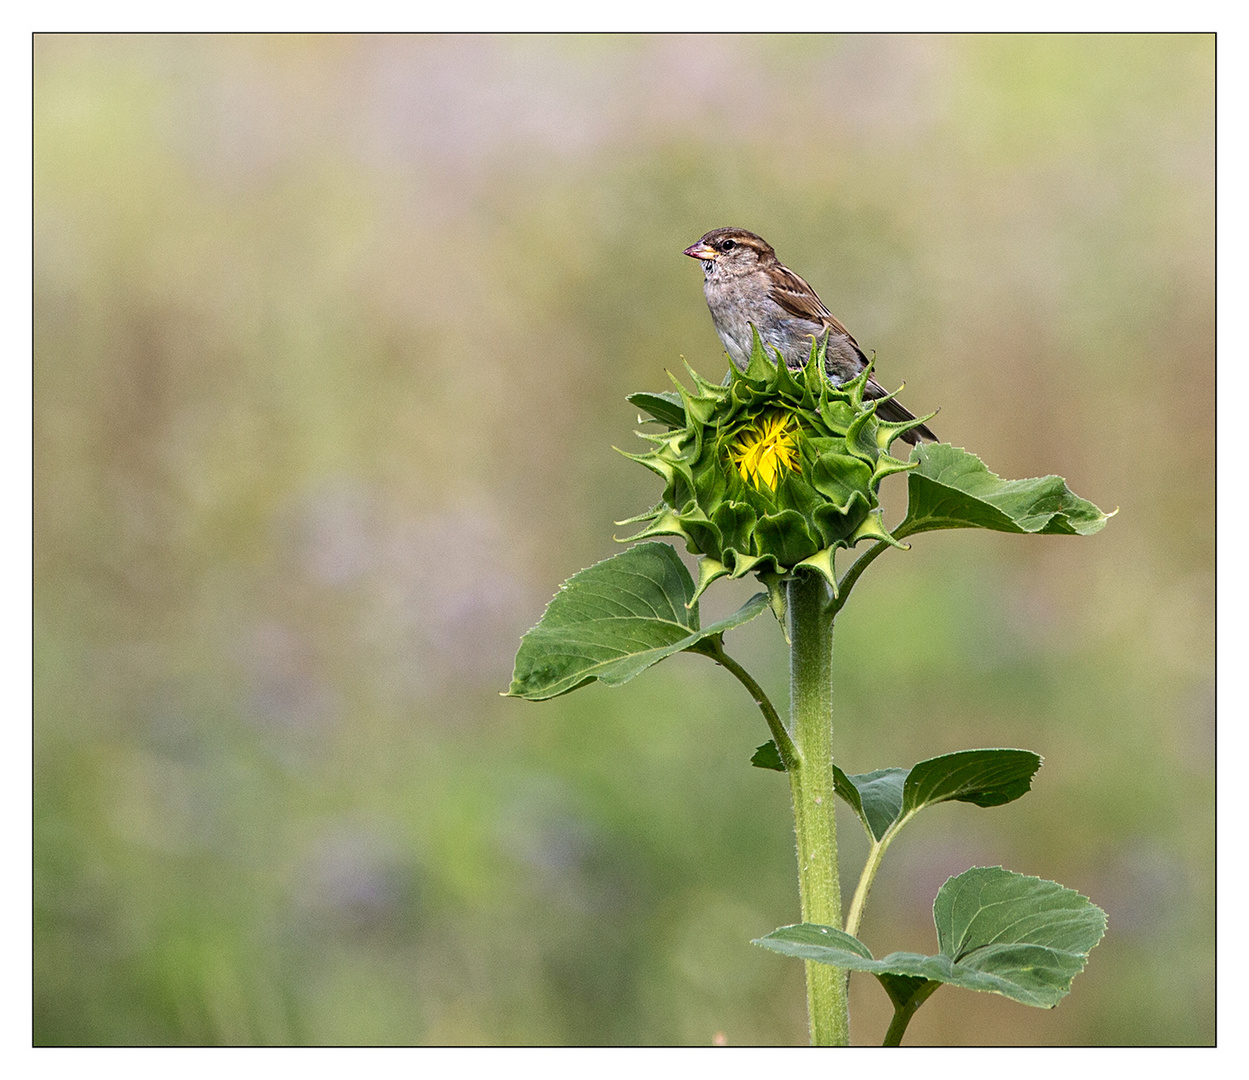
729 252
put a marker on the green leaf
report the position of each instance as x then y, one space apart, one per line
888 798
983 777
768 756
666 407
1022 937
613 620
811 941
953 489
877 797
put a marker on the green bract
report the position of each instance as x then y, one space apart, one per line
773 470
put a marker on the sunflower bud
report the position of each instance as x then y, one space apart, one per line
773 470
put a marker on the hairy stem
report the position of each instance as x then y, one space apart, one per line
811 782
852 575
714 648
864 561
859 901
874 858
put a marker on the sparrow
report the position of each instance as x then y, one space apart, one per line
747 286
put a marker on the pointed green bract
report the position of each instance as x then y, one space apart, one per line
772 470
665 407
1022 937
949 488
614 620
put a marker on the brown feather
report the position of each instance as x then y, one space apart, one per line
793 294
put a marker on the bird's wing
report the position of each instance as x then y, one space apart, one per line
798 298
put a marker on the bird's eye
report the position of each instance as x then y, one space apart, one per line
728 245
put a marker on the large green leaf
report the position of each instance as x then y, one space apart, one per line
888 798
953 489
883 797
1022 937
613 620
983 777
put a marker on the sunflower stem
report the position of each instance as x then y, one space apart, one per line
852 575
714 648
811 782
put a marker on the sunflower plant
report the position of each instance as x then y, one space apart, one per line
771 473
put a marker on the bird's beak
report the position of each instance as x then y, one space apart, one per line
700 251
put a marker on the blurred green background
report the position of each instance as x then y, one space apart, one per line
332 341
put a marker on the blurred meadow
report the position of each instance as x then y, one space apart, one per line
332 342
